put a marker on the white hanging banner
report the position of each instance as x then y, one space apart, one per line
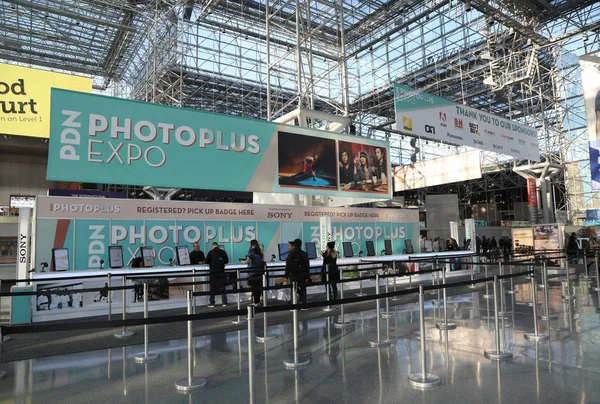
23 244
454 231
470 233
324 232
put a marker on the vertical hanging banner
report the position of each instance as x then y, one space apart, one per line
470 234
324 232
590 79
23 244
99 139
532 192
429 116
454 231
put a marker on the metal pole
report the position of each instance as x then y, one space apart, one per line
585 264
191 383
597 288
471 286
109 295
265 336
512 290
547 316
295 362
145 356
497 354
327 287
535 336
568 295
124 333
423 379
239 303
342 321
194 288
445 325
251 358
360 285
378 342
387 313
487 286
395 273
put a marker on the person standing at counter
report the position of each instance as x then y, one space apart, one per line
330 268
297 267
216 260
197 256
255 260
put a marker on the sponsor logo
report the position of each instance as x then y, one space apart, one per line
503 136
515 151
490 132
407 123
451 136
430 129
498 147
81 207
22 248
474 128
521 141
477 141
458 123
443 119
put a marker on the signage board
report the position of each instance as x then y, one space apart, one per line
426 115
101 139
25 98
88 227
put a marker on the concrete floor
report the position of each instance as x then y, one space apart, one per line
344 369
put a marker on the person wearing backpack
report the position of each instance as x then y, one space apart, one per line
255 261
297 267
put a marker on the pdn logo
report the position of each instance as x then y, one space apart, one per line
430 129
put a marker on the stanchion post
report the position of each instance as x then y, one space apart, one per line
194 289
264 336
597 288
423 379
497 354
342 320
568 295
535 336
360 285
146 356
395 273
378 342
124 333
296 361
251 357
109 295
191 383
327 288
239 303
445 325
387 313
487 286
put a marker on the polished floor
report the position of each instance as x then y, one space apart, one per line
344 368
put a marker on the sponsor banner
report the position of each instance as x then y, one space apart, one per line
455 123
85 193
470 234
88 227
595 163
25 98
101 139
444 170
590 80
532 199
592 214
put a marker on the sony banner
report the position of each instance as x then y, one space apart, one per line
324 232
470 234
23 244
99 139
88 227
432 117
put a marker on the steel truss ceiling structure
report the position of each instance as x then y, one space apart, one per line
264 58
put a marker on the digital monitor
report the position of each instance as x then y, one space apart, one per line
147 257
60 259
347 248
183 255
370 248
388 247
311 250
409 246
283 251
115 256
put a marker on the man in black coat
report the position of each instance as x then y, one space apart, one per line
297 267
197 256
216 260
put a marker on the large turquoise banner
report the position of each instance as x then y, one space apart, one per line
87 227
101 139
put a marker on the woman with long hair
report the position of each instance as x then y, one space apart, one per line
330 268
255 260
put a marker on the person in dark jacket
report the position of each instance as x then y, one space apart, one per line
297 267
493 243
330 268
255 260
485 246
216 260
197 256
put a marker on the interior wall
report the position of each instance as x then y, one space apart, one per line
441 210
22 175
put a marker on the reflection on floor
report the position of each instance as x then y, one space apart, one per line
344 369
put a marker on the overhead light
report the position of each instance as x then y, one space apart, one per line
585 37
467 5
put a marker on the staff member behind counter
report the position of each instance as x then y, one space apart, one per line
197 256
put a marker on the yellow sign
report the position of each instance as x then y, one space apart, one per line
407 123
25 98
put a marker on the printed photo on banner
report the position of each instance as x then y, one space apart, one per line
306 161
59 296
362 168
